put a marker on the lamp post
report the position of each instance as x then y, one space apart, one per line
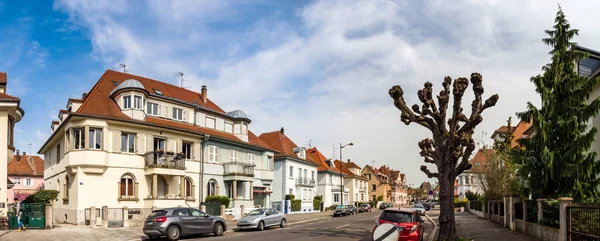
342 180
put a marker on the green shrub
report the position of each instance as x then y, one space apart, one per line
219 199
460 204
317 202
290 197
476 205
296 205
380 198
42 196
373 203
332 207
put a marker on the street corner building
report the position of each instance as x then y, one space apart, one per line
140 143
10 114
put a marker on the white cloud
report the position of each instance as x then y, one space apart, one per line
326 76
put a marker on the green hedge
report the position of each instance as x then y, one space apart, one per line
373 204
290 197
460 204
296 205
332 207
380 198
42 196
317 202
219 199
476 205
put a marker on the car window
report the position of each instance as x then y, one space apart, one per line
182 212
197 213
158 213
272 211
398 217
256 212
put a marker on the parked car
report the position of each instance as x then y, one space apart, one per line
384 205
419 208
176 222
341 210
426 206
353 210
408 222
364 208
262 218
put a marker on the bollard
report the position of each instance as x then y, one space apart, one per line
125 216
104 216
92 217
563 203
242 209
49 215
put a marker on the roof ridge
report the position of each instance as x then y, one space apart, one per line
282 144
139 76
92 91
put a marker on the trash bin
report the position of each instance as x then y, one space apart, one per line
12 220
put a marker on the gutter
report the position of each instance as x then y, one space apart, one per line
201 173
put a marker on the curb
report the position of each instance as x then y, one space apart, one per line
9 231
432 235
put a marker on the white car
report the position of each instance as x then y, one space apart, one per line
419 208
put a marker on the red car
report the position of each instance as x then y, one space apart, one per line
408 222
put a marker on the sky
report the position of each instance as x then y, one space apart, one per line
320 69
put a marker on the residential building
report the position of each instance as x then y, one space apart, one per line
294 172
329 179
470 180
27 175
353 180
162 145
378 184
397 181
10 114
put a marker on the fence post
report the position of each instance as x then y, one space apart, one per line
223 211
506 210
524 215
513 222
203 208
540 213
49 214
563 203
125 216
104 216
242 209
92 217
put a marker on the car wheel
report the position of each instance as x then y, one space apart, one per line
283 223
261 226
218 229
173 233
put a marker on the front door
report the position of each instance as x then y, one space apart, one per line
187 221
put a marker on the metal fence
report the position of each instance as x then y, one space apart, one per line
87 214
583 222
115 217
213 208
518 207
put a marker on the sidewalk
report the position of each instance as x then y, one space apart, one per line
474 228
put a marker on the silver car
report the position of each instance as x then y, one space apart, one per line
261 218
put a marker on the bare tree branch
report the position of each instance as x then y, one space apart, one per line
427 150
408 115
469 144
428 173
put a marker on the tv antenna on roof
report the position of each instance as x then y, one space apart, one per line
180 74
333 152
29 148
122 65
373 163
309 143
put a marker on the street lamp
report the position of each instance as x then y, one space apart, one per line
341 180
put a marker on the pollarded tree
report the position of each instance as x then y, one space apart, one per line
452 141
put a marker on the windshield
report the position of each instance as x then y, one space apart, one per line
340 207
418 206
256 212
398 217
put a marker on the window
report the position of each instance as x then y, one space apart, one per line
213 153
355 183
236 128
158 92
137 102
10 133
187 183
57 154
373 187
300 173
187 150
362 197
210 122
126 102
66 188
95 138
17 180
127 142
291 191
374 198
230 190
336 197
356 197
29 182
302 153
79 137
211 188
244 128
177 114
291 172
228 127
233 155
312 175
305 172
330 179
127 186
269 160
152 108
304 194
251 158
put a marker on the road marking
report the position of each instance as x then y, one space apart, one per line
342 226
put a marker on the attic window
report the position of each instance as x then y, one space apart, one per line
158 91
115 83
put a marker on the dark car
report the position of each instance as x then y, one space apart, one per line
341 210
408 223
176 222
353 210
364 208
427 206
383 206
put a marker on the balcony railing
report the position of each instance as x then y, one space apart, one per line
165 159
306 182
239 168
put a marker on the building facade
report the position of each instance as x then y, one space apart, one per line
10 114
162 146
378 184
27 175
295 173
329 179
354 181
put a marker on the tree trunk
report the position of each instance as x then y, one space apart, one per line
446 200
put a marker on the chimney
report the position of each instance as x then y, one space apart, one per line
24 153
3 82
84 96
282 131
348 160
18 156
204 93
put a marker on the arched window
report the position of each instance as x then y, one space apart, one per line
211 188
127 186
66 188
188 187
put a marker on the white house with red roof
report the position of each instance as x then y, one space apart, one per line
329 179
162 146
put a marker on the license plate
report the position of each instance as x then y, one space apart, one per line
149 222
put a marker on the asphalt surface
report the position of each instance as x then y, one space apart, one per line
354 227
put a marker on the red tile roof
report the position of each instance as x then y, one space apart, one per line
281 143
520 132
345 169
350 164
317 157
7 96
479 161
23 167
75 100
99 104
376 172
3 78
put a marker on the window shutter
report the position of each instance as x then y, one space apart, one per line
116 147
184 113
139 147
122 184
150 143
166 111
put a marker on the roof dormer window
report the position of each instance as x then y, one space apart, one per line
137 102
302 153
127 102
158 92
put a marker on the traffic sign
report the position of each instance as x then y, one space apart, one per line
386 232
430 192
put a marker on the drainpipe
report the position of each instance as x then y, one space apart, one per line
201 174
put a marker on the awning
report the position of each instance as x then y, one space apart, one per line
262 191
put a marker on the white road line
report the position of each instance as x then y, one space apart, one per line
342 226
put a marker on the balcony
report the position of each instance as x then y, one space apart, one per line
238 170
165 163
305 182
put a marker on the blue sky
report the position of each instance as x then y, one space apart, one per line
321 69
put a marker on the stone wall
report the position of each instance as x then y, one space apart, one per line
540 232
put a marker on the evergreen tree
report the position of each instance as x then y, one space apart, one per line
557 160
